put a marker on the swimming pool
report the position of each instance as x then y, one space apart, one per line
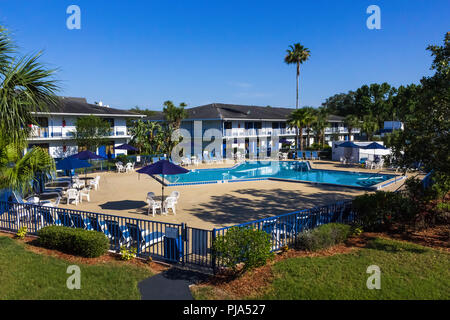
297 171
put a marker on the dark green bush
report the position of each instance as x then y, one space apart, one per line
377 211
75 241
242 245
322 237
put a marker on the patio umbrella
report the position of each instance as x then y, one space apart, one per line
71 163
127 147
348 145
374 146
163 167
86 155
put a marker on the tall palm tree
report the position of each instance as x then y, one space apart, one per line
297 119
17 171
297 54
25 86
351 122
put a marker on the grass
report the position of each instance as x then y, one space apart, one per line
27 275
408 271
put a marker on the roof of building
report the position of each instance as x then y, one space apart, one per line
74 105
221 111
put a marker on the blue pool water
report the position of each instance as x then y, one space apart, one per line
291 170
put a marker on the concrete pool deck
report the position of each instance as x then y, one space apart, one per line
216 205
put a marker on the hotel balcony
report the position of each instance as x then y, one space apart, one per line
57 133
240 132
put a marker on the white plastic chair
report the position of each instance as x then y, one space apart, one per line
129 167
85 193
95 182
170 203
154 205
175 194
73 194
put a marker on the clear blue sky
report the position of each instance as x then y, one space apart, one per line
130 53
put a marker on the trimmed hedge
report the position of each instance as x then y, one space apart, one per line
322 237
85 243
243 245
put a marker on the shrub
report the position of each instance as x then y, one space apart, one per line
22 233
243 245
377 211
127 253
322 237
76 241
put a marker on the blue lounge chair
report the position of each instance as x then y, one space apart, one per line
155 159
65 219
308 155
315 155
48 217
143 238
81 222
300 155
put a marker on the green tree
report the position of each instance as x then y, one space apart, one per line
297 54
425 137
17 170
369 126
310 117
320 124
173 114
351 122
147 136
298 120
25 86
91 132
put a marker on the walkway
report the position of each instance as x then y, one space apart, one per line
172 284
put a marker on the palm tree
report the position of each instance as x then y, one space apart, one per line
17 171
369 126
174 115
297 54
309 120
25 86
351 122
297 119
320 124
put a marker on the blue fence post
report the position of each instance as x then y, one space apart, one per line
213 252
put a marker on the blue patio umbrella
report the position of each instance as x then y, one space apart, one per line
126 146
374 146
71 163
86 155
348 144
162 167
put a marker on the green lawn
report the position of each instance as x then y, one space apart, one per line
27 275
408 271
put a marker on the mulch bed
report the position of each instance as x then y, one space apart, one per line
31 244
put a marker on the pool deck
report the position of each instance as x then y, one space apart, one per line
217 205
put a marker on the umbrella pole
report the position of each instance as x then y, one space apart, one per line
162 198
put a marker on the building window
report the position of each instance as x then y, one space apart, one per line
227 125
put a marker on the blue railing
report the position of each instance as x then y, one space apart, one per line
175 243
285 228
160 240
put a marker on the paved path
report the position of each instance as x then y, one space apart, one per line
172 284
